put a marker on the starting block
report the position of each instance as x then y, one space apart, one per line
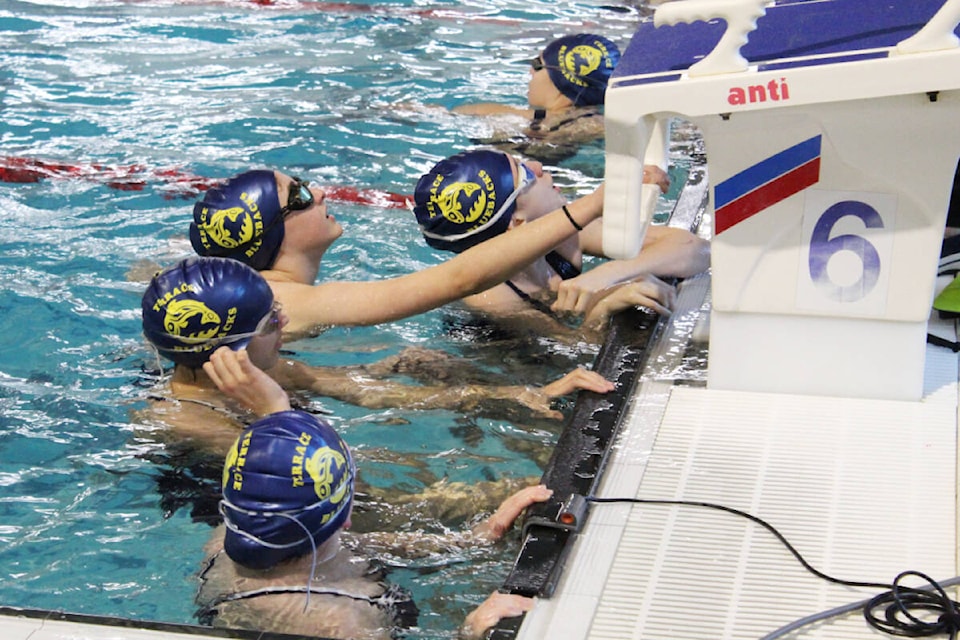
832 132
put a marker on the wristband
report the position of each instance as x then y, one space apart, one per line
570 218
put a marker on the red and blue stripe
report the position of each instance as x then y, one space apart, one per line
766 183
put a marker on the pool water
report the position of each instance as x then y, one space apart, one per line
137 102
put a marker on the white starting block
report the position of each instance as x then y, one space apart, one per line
832 132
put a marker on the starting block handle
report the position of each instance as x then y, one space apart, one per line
741 18
937 34
631 202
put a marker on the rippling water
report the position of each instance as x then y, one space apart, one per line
119 110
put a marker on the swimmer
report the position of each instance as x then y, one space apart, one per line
207 312
552 284
565 94
280 226
285 561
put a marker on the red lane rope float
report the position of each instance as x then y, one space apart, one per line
371 197
132 177
136 177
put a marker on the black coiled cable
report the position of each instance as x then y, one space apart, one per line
898 603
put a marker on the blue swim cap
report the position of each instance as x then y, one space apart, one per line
458 202
199 304
580 66
240 220
287 480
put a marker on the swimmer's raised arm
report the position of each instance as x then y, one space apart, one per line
476 269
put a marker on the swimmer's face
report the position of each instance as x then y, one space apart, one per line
541 92
541 198
313 226
264 349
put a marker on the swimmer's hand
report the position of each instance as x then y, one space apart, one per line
497 525
652 174
538 399
240 379
578 379
491 611
578 295
581 295
647 291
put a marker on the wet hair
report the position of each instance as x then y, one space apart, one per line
458 203
288 487
199 304
241 219
580 66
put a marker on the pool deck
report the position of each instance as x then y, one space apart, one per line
864 489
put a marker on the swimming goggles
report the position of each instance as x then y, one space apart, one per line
299 197
527 179
267 325
537 63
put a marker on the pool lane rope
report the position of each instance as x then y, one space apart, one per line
136 177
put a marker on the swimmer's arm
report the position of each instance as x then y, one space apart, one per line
520 319
475 109
502 306
474 270
490 109
373 393
667 252
379 394
498 524
419 544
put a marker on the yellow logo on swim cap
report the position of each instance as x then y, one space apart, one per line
480 198
452 209
321 467
233 465
216 227
578 63
179 314
232 228
192 320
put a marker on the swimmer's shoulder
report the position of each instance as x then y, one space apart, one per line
573 124
497 300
